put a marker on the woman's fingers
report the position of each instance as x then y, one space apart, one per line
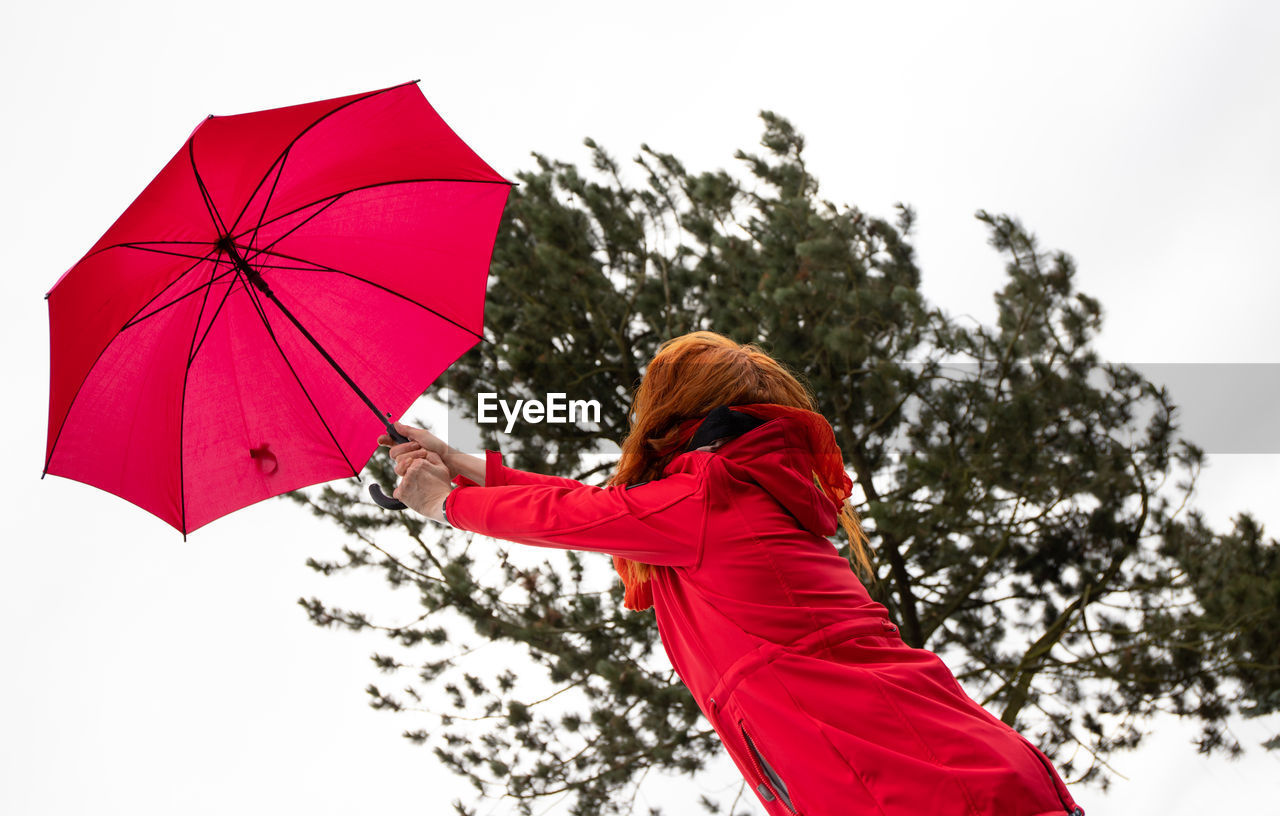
419 440
397 448
420 471
418 462
436 467
424 483
403 448
408 457
424 438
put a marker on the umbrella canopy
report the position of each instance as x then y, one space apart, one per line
292 279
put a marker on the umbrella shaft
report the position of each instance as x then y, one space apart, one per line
255 278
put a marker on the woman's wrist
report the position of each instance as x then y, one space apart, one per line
465 465
435 512
444 514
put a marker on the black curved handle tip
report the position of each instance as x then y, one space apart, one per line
375 489
383 500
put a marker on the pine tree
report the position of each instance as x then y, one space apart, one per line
1020 515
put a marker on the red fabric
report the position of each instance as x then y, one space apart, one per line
828 465
775 636
828 461
371 208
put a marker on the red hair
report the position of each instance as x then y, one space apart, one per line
689 377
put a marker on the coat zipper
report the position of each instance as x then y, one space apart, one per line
1070 811
768 789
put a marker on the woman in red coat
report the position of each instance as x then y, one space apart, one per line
719 516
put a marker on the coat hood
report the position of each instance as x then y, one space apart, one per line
785 453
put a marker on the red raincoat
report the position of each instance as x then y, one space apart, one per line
820 703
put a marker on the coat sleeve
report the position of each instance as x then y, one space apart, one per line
496 474
659 522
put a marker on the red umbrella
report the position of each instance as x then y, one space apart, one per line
291 280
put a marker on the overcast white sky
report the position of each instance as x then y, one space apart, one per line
143 675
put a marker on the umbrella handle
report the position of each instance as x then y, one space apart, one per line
383 500
375 489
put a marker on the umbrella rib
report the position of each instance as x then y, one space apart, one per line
141 248
204 191
182 413
225 296
270 195
53 448
285 267
142 244
284 153
166 288
441 180
137 245
291 231
262 315
136 319
323 268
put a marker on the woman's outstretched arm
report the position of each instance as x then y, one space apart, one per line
659 522
464 468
